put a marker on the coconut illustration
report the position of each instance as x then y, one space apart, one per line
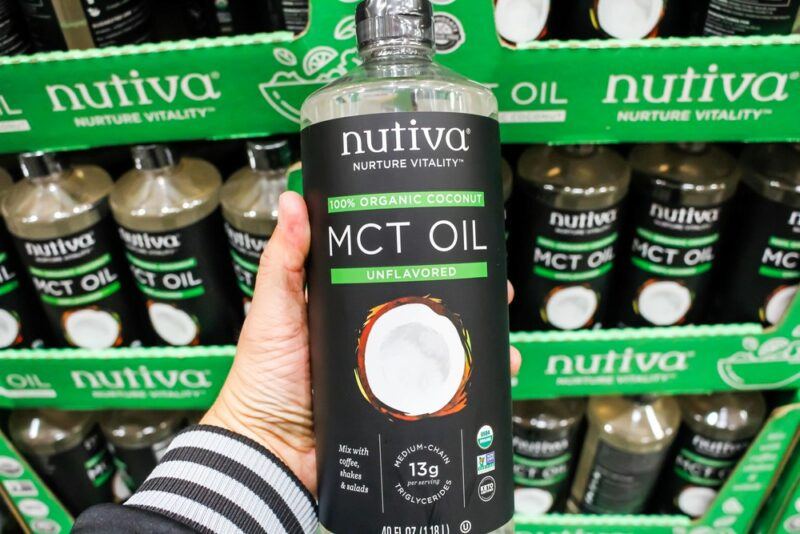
414 359
172 324
532 501
9 328
92 328
777 303
629 19
663 303
521 21
570 307
695 501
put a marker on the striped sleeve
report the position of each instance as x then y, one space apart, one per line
215 481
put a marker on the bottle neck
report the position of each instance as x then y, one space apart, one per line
396 50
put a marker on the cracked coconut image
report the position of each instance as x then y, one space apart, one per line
414 359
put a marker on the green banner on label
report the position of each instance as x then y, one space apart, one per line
789 244
408 273
80 300
246 265
783 274
524 460
159 267
247 290
571 277
564 246
57 274
681 242
179 294
8 287
407 199
671 271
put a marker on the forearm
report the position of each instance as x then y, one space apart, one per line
213 480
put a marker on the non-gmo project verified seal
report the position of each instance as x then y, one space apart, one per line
486 463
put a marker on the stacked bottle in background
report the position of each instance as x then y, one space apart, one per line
642 454
45 25
28 26
59 218
565 224
249 201
89 458
585 254
607 455
152 273
524 21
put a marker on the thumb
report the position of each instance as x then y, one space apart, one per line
278 310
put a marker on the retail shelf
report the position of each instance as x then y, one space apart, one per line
677 360
736 508
717 89
674 360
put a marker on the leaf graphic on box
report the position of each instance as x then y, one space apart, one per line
285 56
345 29
317 58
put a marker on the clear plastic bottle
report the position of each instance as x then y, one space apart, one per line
680 196
66 239
249 201
717 430
399 89
68 452
139 439
626 444
564 235
546 446
168 213
762 260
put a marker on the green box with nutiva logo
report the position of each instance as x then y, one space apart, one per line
713 89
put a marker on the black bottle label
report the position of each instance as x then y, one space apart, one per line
108 22
136 464
80 477
43 25
766 265
409 323
245 249
748 17
185 277
13 39
118 22
17 328
673 250
620 482
700 467
80 280
543 462
564 260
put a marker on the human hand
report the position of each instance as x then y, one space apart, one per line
267 395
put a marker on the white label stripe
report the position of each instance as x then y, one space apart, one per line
224 485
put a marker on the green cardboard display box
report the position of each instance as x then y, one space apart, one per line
714 89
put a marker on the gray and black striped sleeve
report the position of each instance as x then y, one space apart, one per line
215 481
